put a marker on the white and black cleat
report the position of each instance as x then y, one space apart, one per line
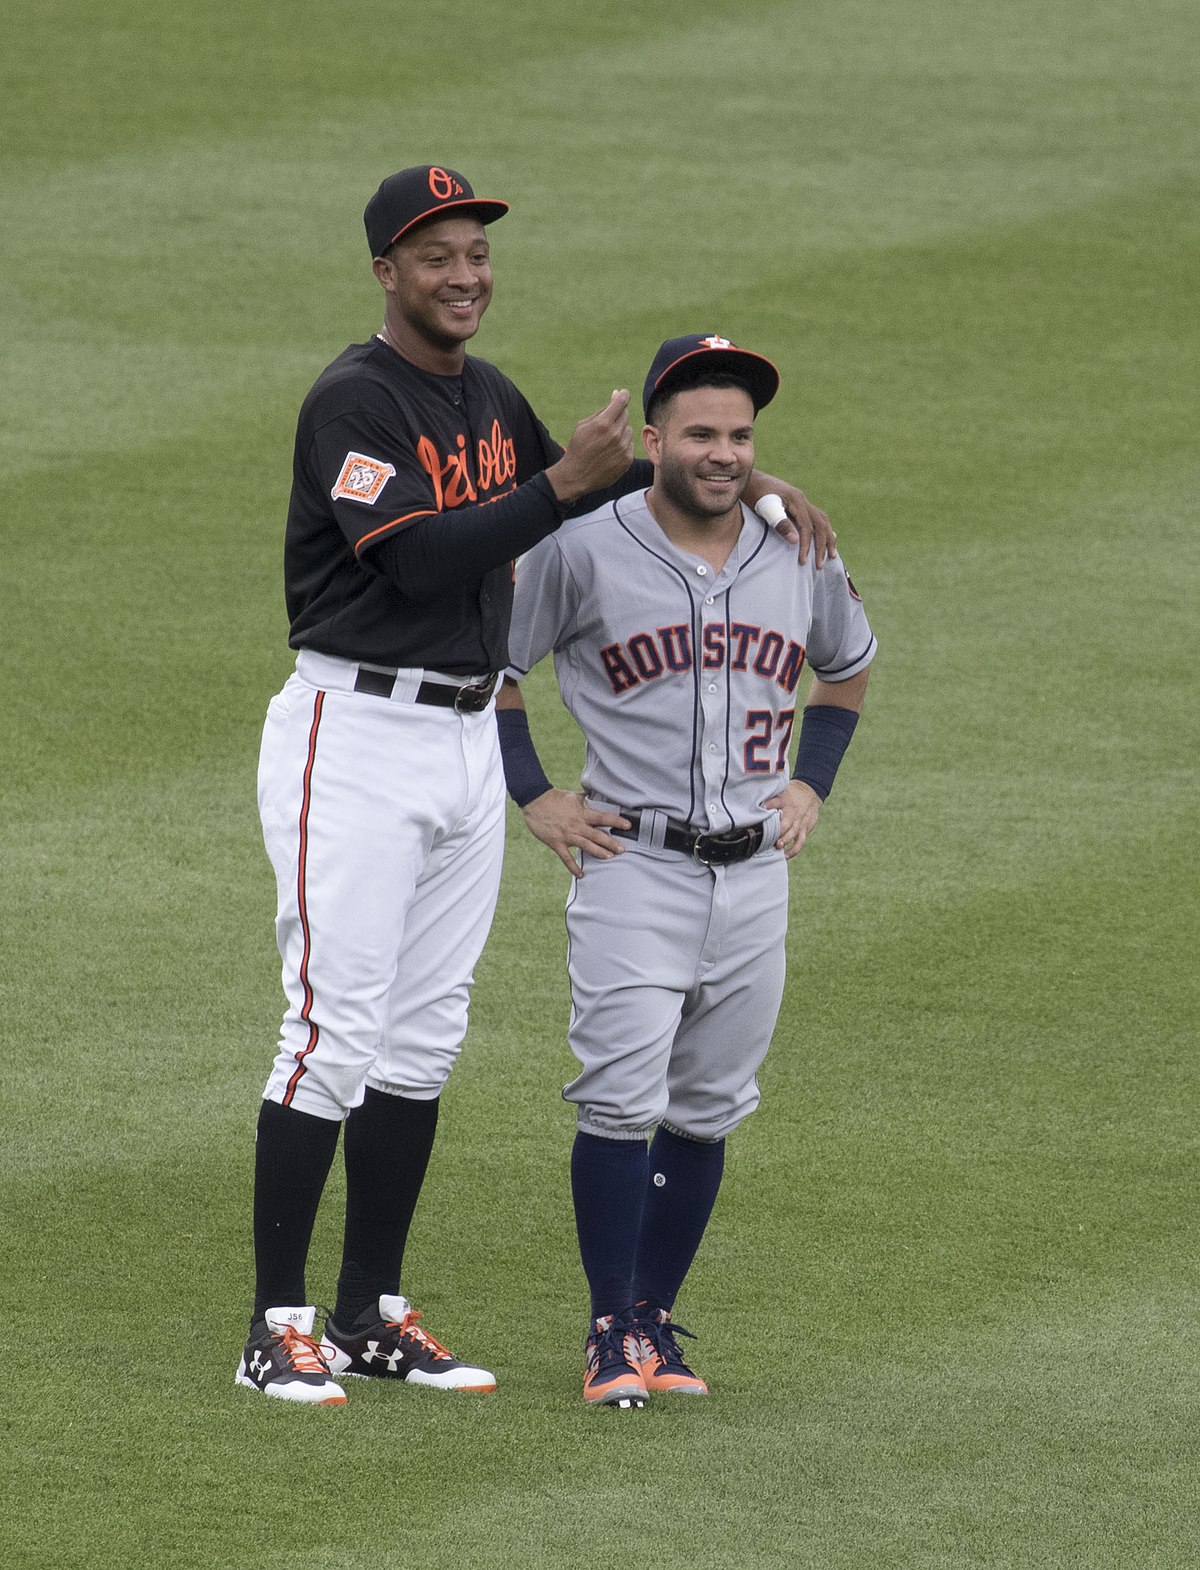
389 1343
281 1359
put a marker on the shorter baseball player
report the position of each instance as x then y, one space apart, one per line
679 624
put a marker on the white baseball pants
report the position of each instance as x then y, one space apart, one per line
384 822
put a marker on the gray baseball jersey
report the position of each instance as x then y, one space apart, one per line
683 681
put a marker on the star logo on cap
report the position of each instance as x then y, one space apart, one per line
713 342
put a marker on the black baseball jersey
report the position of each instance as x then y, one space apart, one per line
383 447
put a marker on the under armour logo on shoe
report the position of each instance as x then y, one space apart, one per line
259 1364
374 1355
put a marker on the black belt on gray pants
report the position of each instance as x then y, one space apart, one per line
714 850
468 699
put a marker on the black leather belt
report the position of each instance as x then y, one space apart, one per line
714 850
468 699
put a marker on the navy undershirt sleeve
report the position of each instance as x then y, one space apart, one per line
825 732
523 773
446 550
449 549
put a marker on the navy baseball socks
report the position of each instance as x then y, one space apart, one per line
640 1217
684 1179
608 1185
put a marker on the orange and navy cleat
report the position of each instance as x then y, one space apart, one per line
611 1376
659 1358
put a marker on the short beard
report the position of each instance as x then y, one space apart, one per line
677 487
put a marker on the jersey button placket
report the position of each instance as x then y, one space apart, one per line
711 599
712 710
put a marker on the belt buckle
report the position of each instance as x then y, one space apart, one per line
473 698
700 850
735 847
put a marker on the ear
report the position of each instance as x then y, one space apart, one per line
385 271
652 442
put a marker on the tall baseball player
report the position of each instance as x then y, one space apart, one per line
679 626
419 474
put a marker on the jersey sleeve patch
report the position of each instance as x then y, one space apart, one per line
362 478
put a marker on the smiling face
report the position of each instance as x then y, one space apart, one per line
702 448
438 281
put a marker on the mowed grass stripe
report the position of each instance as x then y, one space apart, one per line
1065 340
960 1436
1028 438
166 346
182 249
830 84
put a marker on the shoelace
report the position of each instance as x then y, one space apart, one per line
302 1352
661 1336
609 1348
408 1327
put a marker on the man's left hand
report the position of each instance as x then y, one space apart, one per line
798 805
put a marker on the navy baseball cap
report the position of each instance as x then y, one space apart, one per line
408 198
681 361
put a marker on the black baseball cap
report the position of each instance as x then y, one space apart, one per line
681 361
408 198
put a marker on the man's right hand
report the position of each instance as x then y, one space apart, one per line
562 819
599 452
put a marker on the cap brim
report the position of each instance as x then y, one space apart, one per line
487 209
755 370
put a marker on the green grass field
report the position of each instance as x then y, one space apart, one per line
947 1302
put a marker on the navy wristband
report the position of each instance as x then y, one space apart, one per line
825 733
523 772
